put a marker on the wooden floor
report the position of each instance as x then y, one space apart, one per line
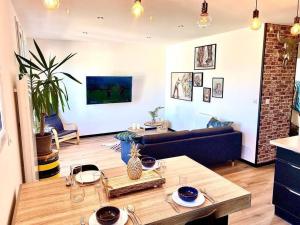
259 181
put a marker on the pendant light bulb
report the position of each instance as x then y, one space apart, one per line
295 30
256 22
51 4
204 19
137 8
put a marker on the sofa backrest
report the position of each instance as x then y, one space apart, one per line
210 131
159 138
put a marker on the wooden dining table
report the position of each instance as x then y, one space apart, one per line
48 202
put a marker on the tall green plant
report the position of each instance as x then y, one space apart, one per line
48 91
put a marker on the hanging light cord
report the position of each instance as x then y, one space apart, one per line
256 4
298 9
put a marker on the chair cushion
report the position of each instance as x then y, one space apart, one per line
210 131
127 136
217 123
171 136
65 132
54 121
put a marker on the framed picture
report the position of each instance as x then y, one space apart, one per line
205 57
206 94
198 79
217 87
182 85
20 38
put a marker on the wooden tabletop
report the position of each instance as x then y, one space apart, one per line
48 202
291 143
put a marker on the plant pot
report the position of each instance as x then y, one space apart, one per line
43 144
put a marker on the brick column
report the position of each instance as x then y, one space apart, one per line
277 86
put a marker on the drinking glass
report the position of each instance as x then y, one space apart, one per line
77 192
162 166
97 185
74 170
183 180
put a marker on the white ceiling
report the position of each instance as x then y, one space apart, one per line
120 25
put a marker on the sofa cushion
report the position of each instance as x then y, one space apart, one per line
210 131
217 123
171 136
126 136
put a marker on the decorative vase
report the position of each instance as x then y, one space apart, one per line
134 166
43 144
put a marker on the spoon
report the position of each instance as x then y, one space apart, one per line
131 209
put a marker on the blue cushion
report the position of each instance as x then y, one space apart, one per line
54 121
126 136
171 136
66 132
210 131
216 123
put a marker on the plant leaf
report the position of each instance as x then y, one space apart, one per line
71 77
40 54
63 61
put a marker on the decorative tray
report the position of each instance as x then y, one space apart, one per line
120 185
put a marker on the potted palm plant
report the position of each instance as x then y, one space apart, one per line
47 89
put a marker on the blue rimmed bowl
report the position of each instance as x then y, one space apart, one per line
188 194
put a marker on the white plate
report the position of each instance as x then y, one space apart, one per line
122 220
154 167
87 176
199 201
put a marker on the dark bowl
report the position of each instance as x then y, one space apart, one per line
148 161
107 215
188 194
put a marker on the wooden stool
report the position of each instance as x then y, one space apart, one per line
48 166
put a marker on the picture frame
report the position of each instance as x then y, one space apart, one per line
206 94
205 57
182 86
198 79
217 87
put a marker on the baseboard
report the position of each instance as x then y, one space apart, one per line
257 165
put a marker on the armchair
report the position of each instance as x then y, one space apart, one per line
62 132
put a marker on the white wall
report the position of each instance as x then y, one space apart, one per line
10 165
145 62
239 60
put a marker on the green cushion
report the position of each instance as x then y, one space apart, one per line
126 136
216 123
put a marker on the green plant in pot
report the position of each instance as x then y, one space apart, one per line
47 89
154 113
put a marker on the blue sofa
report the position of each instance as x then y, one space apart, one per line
207 146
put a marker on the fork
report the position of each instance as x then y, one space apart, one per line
82 220
130 216
168 200
203 191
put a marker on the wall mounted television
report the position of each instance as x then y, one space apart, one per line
108 89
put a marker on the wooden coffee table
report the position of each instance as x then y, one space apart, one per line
48 202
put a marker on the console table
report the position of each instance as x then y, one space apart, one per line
286 193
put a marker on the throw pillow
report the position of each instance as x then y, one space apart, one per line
126 136
217 123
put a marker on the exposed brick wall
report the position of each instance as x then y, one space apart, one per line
278 87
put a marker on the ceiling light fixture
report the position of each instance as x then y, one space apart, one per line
255 23
51 4
204 19
295 30
137 8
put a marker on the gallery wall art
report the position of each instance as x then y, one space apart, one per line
205 57
206 94
217 87
182 86
198 79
